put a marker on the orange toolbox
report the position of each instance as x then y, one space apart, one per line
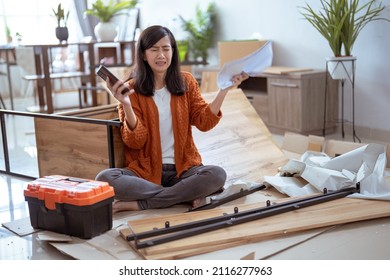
73 206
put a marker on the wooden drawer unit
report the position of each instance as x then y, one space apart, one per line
284 101
295 101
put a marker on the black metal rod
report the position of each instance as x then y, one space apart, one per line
342 109
215 203
5 143
214 223
19 175
62 118
325 99
111 148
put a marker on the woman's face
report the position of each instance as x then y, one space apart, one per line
159 56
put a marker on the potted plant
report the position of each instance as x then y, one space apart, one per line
61 17
8 34
105 30
201 31
340 23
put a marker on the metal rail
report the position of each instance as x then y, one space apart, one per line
171 233
214 203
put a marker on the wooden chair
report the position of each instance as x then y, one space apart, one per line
2 104
26 64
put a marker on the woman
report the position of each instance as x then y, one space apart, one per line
164 167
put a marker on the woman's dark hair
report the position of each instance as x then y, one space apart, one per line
143 74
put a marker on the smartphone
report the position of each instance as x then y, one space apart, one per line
103 73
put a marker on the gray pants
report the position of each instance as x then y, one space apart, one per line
197 182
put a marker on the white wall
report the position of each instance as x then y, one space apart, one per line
296 43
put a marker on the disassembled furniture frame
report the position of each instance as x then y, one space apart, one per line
171 233
110 124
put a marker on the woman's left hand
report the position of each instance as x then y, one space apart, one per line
238 79
216 104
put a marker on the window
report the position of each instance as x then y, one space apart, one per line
35 22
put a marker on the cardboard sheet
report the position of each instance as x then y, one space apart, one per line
21 227
53 236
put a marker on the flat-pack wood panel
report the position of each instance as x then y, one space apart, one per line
77 148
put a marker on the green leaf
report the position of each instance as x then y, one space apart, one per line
106 12
201 31
340 21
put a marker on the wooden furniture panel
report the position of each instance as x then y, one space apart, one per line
75 147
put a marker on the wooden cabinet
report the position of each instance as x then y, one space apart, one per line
294 102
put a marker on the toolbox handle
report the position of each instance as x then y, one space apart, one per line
77 180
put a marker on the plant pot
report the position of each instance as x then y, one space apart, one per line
105 31
341 68
62 34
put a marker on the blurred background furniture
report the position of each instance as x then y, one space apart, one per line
2 104
7 58
26 65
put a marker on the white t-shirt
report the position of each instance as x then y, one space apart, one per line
162 98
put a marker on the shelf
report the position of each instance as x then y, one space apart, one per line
57 76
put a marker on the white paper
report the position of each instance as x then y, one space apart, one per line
234 188
322 178
292 167
291 186
252 64
365 165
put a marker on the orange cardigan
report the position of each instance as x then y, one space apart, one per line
143 148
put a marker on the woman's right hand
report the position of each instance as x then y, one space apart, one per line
118 90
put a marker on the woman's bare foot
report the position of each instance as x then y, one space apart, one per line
119 206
